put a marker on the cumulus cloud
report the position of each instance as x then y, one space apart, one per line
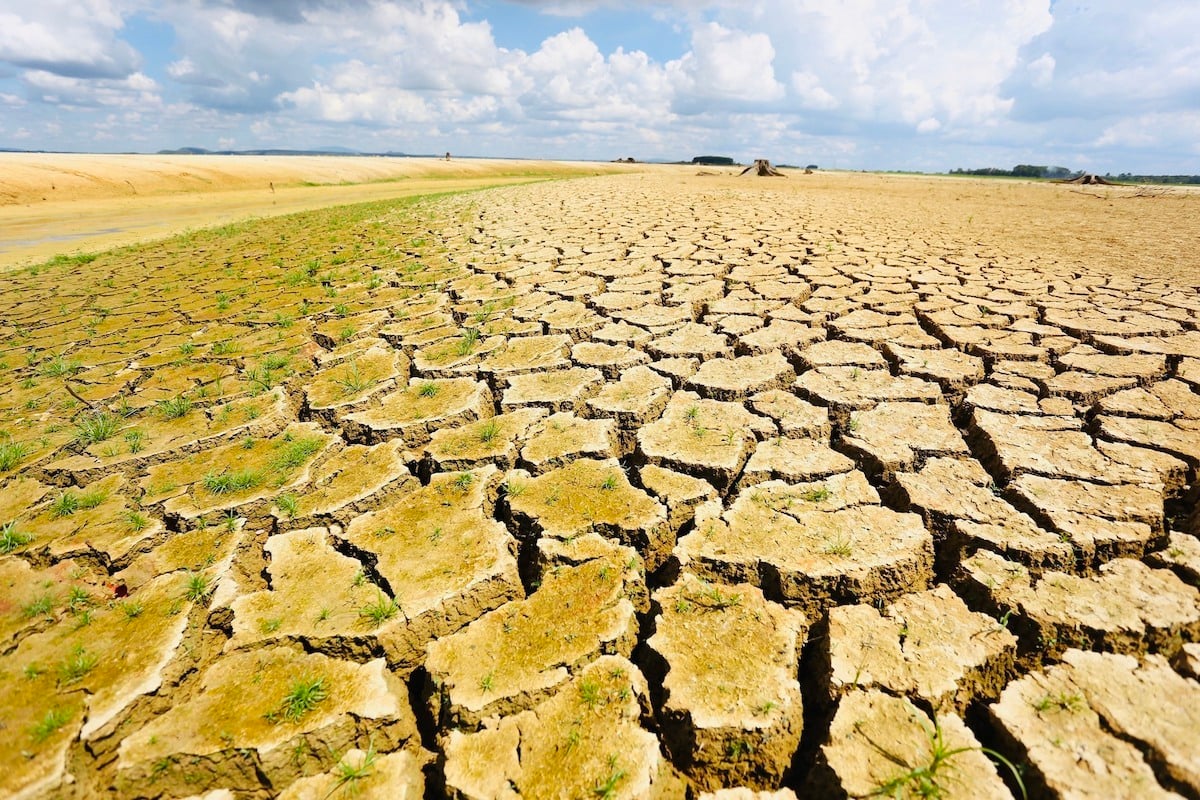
72 38
886 83
726 66
1111 57
135 91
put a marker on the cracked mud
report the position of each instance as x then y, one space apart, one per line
651 485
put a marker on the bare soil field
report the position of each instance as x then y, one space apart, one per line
644 485
73 203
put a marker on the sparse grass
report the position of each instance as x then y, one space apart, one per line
59 367
197 587
231 482
97 426
379 612
294 453
606 787
43 606
353 381
839 546
65 505
712 597
132 609
11 453
610 482
49 724
818 495
225 347
489 432
428 390
488 682
464 481
589 693
932 779
136 439
467 342
289 504
304 695
175 407
348 775
12 537
1061 701
137 521
77 665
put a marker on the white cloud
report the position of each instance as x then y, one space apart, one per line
726 65
135 91
886 83
808 89
74 38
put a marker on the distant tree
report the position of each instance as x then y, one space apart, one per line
1028 171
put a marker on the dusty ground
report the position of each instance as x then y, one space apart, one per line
62 203
645 485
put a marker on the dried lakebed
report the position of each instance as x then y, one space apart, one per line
637 486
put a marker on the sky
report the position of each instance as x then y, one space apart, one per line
923 85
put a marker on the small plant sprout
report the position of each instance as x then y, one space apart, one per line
348 775
59 367
96 427
379 612
175 407
489 432
514 488
606 787
39 607
12 537
817 495
49 724
288 504
11 453
304 695
197 587
467 342
692 414
136 439
132 609
137 521
463 481
353 381
610 482
839 546
933 778
1060 702
76 665
589 693
65 505
488 682
428 389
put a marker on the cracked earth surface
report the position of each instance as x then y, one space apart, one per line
641 486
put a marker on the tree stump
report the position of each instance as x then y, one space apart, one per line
762 168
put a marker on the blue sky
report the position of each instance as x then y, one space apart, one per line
1101 85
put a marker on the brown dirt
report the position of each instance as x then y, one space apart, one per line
938 437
